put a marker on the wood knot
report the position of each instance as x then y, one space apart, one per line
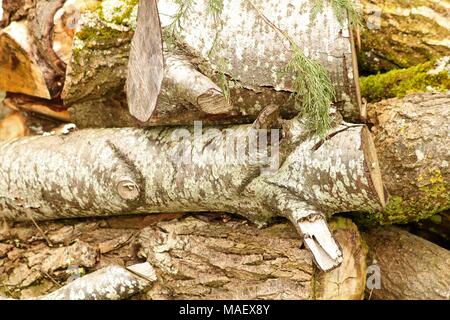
128 190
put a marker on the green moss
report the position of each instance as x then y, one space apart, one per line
121 12
400 82
433 197
98 34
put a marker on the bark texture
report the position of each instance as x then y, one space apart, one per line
234 51
401 34
411 267
105 175
198 260
203 257
107 172
411 138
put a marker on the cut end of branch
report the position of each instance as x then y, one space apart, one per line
320 242
372 165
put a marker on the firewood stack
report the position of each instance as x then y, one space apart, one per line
128 107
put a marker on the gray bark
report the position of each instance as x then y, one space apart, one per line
114 171
242 60
410 267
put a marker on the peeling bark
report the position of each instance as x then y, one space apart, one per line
114 171
411 267
219 256
50 109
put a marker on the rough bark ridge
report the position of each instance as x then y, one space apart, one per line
198 260
411 267
401 34
240 54
167 171
411 138
236 259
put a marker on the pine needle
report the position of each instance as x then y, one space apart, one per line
342 9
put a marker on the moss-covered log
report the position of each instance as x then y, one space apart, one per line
410 267
411 138
402 34
106 172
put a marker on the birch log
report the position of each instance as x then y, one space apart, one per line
410 267
109 283
106 172
233 55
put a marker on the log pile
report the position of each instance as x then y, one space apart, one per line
280 135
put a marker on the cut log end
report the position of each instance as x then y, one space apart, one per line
373 166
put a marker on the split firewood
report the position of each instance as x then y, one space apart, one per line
50 109
35 48
22 69
410 267
109 283
129 171
19 124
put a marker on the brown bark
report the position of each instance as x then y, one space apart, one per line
51 109
401 34
235 259
411 267
22 68
411 138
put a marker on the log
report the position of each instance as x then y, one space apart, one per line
214 260
242 74
411 268
22 69
114 171
51 109
402 34
206 256
36 43
411 139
